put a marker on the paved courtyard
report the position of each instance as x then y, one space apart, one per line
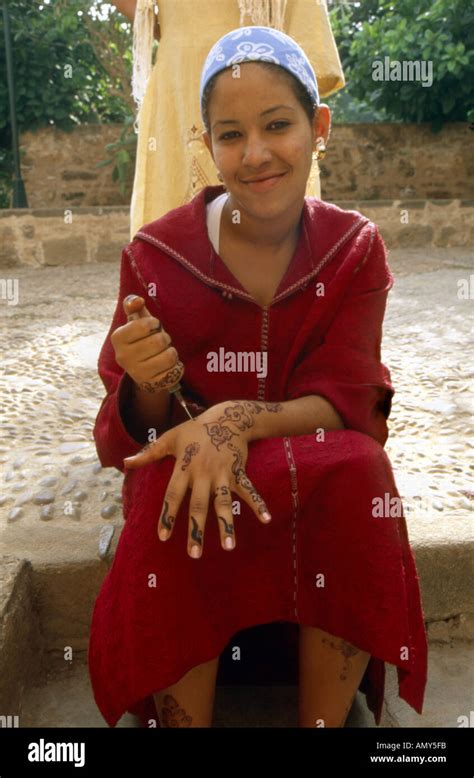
51 392
59 508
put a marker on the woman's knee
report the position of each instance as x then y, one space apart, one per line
190 701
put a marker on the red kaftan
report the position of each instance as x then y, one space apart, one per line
319 493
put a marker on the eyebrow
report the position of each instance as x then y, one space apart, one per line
264 113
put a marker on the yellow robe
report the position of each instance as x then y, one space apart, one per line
173 163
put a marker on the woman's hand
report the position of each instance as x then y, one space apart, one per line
143 349
210 458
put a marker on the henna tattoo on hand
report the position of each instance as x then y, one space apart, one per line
241 415
167 521
196 532
172 715
171 378
190 451
224 490
242 479
228 528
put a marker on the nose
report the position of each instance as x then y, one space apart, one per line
255 153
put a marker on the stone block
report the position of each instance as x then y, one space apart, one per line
414 236
8 249
109 252
447 236
65 251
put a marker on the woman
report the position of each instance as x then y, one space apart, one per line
172 162
277 316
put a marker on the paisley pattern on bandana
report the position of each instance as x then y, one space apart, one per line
253 51
265 44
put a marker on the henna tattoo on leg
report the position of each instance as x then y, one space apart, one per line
347 710
167 521
173 715
189 452
348 651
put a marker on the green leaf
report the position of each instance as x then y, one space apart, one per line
448 103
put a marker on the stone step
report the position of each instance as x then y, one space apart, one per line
53 562
64 699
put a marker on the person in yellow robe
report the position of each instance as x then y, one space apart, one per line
173 163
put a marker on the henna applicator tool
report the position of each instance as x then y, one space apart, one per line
177 388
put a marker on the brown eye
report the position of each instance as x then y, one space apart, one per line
285 124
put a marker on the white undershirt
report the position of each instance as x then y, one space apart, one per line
213 219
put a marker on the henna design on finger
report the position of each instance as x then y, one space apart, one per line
242 479
190 451
348 651
173 715
167 521
146 447
196 532
228 528
224 490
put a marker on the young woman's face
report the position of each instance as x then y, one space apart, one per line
248 140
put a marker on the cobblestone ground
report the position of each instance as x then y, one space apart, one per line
51 392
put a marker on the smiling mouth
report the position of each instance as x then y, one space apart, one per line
265 184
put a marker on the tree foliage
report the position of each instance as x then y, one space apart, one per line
436 31
61 76
72 64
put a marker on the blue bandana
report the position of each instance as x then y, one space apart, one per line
250 44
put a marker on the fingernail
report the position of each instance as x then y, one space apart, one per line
266 516
130 297
229 543
164 534
195 552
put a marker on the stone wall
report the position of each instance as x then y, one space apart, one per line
392 161
59 168
41 237
364 162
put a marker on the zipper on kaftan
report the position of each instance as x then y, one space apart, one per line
229 291
290 461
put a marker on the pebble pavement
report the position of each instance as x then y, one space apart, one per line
51 392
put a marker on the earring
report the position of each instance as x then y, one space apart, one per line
320 152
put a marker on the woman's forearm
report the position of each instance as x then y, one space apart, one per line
257 419
142 411
126 7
